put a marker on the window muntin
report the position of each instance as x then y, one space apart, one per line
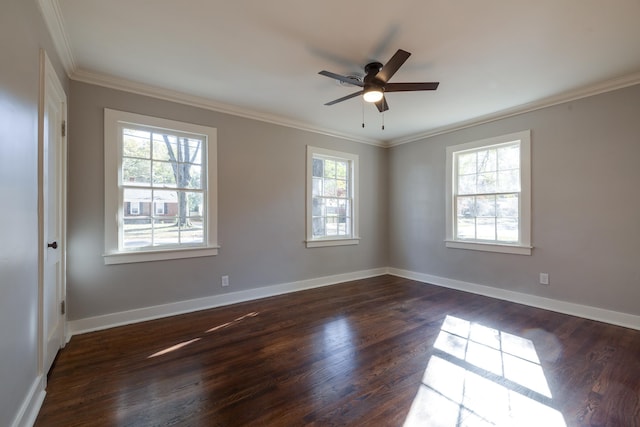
488 194
159 187
331 197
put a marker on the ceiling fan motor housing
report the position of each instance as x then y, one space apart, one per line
370 80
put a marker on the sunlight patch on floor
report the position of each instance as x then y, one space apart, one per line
215 328
482 377
174 348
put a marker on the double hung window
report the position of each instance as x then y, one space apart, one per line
331 198
160 189
488 194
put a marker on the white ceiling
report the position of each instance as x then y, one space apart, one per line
261 58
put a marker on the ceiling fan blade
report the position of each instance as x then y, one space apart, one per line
390 68
382 105
344 98
404 87
341 78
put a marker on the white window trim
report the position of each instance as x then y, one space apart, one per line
523 247
354 238
113 209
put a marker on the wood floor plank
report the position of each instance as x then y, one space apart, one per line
375 352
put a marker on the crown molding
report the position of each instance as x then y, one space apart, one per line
53 18
208 104
573 95
52 15
55 23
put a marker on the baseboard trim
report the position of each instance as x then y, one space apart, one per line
26 416
587 312
90 324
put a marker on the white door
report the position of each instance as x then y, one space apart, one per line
53 155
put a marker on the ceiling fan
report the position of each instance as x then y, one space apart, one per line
375 82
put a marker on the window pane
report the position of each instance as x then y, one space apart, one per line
486 228
318 167
163 175
329 168
169 199
487 161
509 181
342 229
343 210
192 151
137 232
466 228
331 207
507 229
195 204
137 198
136 171
467 184
509 157
507 206
467 164
486 206
318 207
329 187
165 231
466 207
192 231
341 188
341 170
317 187
331 226
318 227
136 144
190 176
164 147
487 182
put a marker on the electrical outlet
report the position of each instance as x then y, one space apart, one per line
544 278
225 281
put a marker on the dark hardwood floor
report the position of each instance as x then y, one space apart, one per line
384 351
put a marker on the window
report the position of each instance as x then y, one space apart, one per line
160 208
332 198
134 208
164 172
488 195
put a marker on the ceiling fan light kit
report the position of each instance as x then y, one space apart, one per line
375 83
373 95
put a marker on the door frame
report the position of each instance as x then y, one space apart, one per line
50 82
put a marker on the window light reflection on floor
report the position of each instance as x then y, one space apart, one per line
480 377
180 345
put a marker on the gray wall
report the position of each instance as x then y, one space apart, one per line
22 34
585 205
261 216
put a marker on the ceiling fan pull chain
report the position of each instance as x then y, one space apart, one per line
383 120
362 113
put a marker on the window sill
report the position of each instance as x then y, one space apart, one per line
490 247
158 255
332 242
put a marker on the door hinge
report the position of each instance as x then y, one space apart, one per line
63 308
64 128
